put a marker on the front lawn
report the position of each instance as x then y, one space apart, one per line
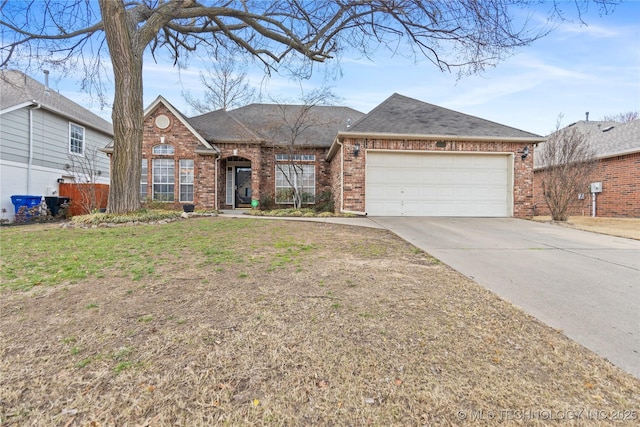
250 321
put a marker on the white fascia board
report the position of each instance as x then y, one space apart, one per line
18 106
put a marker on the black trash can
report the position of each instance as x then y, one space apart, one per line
54 203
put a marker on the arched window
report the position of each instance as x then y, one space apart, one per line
164 149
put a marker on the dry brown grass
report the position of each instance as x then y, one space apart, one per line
303 324
621 227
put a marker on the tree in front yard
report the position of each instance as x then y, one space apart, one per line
117 36
294 126
568 163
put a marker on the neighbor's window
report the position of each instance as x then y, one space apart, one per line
186 180
300 176
164 149
76 139
144 180
163 180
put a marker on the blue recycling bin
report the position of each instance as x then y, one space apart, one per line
23 200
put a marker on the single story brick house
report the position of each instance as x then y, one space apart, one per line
617 147
405 157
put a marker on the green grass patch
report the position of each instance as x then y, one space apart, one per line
37 256
83 362
32 256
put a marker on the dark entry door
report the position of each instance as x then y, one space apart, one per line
243 187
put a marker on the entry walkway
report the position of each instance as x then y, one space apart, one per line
360 221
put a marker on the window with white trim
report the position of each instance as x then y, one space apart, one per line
296 157
144 178
164 149
186 180
300 176
164 180
76 139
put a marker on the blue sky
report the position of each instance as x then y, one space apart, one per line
575 69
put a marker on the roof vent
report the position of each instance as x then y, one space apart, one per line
348 123
46 81
587 115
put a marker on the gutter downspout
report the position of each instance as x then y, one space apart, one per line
215 192
35 106
341 174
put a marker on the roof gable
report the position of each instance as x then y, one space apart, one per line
19 90
160 100
399 114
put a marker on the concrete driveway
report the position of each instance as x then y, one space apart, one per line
585 284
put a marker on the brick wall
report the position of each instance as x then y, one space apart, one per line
620 197
353 173
185 143
344 176
206 192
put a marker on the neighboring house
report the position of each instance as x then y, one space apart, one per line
42 135
405 157
617 147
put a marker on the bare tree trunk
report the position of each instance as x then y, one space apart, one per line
128 109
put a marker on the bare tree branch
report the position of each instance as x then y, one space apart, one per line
568 162
225 85
627 116
467 35
293 123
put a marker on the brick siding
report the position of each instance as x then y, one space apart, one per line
344 176
261 157
352 188
184 143
620 197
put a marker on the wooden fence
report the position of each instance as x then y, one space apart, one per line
85 197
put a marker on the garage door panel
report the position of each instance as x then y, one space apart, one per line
430 184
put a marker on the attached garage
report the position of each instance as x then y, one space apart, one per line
410 158
406 183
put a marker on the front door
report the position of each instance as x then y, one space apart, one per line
243 187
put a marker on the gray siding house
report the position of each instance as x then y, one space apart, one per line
46 139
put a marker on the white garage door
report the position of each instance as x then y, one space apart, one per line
437 184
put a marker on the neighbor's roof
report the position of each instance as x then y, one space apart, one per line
609 139
275 123
19 90
401 115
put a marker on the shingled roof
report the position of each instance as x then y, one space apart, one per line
609 139
220 126
400 114
273 124
19 90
